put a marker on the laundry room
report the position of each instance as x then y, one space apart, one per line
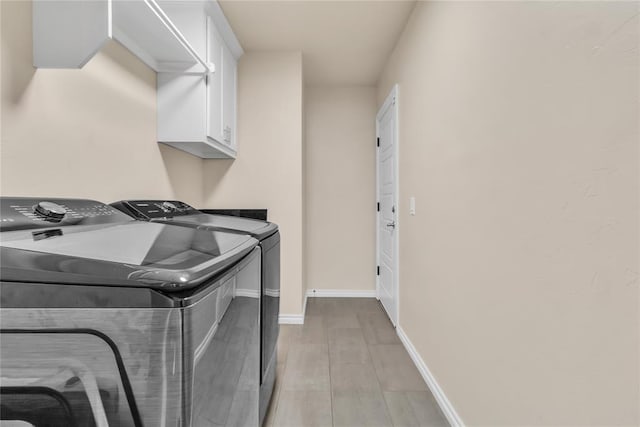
319 213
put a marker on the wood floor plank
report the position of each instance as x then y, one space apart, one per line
358 353
414 409
284 340
346 336
346 367
377 328
360 409
304 409
354 377
395 369
400 409
343 320
312 332
307 368
426 409
347 345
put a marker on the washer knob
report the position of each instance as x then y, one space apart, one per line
168 207
50 211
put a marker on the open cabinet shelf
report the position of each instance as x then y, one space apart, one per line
68 33
205 149
188 43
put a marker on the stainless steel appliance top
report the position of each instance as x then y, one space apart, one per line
180 213
77 241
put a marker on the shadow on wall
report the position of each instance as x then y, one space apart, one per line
115 78
17 46
121 58
17 56
214 173
184 174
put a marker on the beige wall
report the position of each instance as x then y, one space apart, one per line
84 133
519 273
268 170
340 188
92 133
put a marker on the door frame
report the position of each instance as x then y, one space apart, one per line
390 102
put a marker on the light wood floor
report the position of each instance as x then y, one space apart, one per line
347 367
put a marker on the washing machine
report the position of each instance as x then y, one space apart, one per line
180 213
106 320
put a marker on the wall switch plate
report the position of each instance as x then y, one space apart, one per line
412 205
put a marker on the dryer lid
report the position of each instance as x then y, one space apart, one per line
256 228
180 213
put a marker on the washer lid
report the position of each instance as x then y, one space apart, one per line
131 253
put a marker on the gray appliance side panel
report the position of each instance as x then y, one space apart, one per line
222 349
148 340
270 306
268 385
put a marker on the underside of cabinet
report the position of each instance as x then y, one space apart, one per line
207 150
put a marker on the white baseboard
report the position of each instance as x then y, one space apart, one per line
291 319
445 405
340 293
294 319
298 319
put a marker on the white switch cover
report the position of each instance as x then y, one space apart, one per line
412 205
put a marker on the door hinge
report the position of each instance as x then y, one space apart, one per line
378 208
378 142
377 270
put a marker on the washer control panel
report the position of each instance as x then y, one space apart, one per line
19 213
50 211
151 209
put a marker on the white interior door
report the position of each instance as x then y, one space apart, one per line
387 225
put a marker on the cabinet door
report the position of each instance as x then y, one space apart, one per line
229 72
181 107
214 83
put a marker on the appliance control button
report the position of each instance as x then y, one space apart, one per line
168 207
50 211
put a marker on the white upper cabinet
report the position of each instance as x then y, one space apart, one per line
229 89
58 40
214 84
221 90
67 33
188 42
197 114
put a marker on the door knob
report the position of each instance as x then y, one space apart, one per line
391 224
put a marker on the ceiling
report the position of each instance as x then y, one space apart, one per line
342 42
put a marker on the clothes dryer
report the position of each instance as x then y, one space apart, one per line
179 213
107 320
